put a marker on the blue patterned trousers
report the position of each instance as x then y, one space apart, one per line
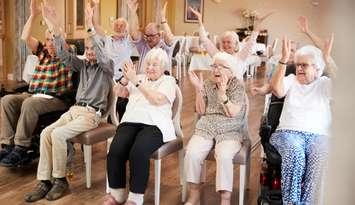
303 157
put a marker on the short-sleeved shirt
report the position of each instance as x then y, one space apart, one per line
139 110
143 48
51 76
119 51
306 107
214 124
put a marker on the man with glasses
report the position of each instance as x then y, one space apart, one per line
151 37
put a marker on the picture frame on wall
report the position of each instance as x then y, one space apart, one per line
80 15
189 17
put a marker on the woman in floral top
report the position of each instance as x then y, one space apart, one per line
222 104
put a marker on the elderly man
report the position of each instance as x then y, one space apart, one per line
50 83
96 73
152 38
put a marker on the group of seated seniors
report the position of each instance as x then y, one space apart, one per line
96 73
222 104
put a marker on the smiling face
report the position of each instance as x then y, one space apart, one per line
89 51
49 43
153 69
120 27
219 69
152 35
306 72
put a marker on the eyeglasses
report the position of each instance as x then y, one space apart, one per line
150 35
304 65
219 66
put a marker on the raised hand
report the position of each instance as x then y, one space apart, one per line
197 14
50 16
260 19
132 5
129 72
163 11
303 24
196 81
35 8
328 44
89 13
286 50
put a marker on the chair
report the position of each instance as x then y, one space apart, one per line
179 56
169 148
103 132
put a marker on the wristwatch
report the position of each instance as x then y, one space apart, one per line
91 31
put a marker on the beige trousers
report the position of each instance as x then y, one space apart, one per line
53 144
197 151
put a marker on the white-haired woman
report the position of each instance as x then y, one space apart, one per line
222 104
146 125
229 43
301 137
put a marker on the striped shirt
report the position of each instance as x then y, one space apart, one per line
51 76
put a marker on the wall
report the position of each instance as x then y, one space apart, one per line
223 16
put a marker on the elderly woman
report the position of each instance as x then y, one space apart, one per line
145 126
301 137
222 104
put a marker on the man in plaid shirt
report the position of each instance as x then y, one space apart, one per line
19 112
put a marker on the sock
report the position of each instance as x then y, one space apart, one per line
119 194
136 198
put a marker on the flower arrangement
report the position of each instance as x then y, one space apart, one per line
250 17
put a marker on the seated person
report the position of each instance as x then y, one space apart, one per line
146 125
96 73
49 86
221 101
302 135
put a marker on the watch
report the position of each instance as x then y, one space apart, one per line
91 31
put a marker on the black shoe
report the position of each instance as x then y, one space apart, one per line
17 157
39 192
60 186
6 150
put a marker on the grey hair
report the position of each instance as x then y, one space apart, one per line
231 61
233 35
160 55
316 55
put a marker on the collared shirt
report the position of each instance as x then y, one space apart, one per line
95 79
143 48
51 76
119 50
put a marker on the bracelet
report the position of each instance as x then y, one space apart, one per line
138 83
282 63
163 22
225 102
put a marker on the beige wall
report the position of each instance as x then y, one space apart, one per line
226 16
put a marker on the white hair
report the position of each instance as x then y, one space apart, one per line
230 60
315 54
160 55
232 35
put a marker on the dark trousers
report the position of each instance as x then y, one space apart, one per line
121 107
134 142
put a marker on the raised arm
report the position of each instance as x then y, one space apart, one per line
208 44
133 20
26 36
324 45
96 17
168 35
197 82
277 84
50 16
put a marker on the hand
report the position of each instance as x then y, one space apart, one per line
263 90
328 47
35 8
222 86
286 50
303 24
260 19
94 3
120 91
163 12
50 16
196 81
89 13
132 5
129 72
197 14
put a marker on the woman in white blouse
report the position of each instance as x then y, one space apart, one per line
145 126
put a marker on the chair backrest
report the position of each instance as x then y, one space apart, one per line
111 106
176 108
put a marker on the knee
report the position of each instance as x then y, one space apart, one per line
45 134
28 105
7 100
192 155
115 154
224 155
136 155
57 135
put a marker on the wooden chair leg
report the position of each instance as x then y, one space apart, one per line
87 160
157 170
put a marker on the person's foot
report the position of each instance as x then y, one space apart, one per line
5 150
39 192
60 186
110 200
17 157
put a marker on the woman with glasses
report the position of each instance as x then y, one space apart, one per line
302 135
221 102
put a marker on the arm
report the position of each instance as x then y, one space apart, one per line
96 18
197 82
231 109
263 90
121 91
277 84
133 20
168 35
208 44
26 36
